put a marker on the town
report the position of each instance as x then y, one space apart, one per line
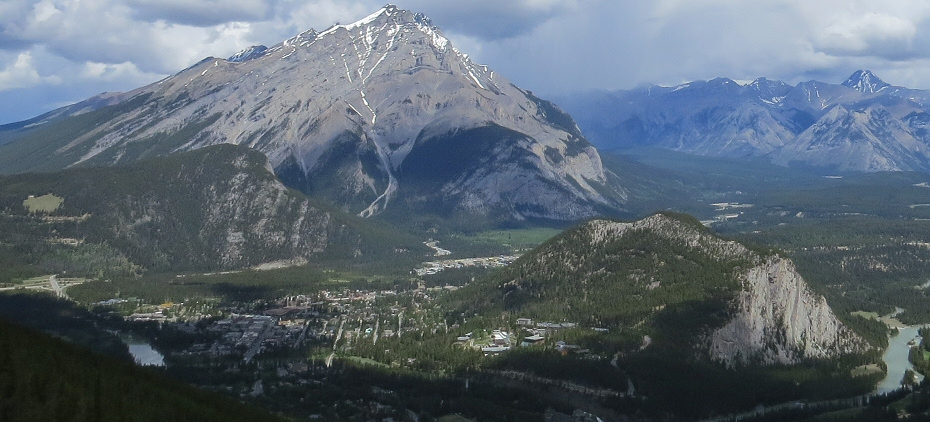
434 267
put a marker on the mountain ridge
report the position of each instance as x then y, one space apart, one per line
863 124
346 106
218 207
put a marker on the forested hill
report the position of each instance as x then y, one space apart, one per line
215 208
47 379
669 278
615 274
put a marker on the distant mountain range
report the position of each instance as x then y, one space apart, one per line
382 113
863 124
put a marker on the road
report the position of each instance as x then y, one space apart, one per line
329 360
53 281
43 284
846 403
258 343
303 333
339 334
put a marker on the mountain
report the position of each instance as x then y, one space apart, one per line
13 131
380 113
666 278
866 82
869 139
863 124
218 207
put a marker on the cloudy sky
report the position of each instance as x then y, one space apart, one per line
56 52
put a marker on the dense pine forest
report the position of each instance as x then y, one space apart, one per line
43 378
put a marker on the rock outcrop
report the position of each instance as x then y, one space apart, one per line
778 319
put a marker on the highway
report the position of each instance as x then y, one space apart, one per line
38 283
53 281
256 346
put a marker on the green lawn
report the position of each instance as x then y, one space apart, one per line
454 418
45 203
366 361
866 315
517 239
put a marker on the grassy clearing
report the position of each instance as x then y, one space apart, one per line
366 361
517 239
837 416
37 280
45 203
234 286
863 370
238 286
866 315
454 418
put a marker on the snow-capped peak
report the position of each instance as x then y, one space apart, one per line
388 10
390 14
865 81
768 91
764 83
250 53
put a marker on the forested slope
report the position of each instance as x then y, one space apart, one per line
46 379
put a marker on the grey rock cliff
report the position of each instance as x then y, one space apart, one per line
778 319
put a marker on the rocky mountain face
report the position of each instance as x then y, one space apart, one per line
218 207
780 320
379 112
669 279
863 124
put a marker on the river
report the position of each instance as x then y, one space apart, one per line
143 353
896 358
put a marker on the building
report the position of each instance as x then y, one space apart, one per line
494 350
500 338
533 339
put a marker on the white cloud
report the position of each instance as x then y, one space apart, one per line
114 72
23 74
544 45
870 34
609 44
44 10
